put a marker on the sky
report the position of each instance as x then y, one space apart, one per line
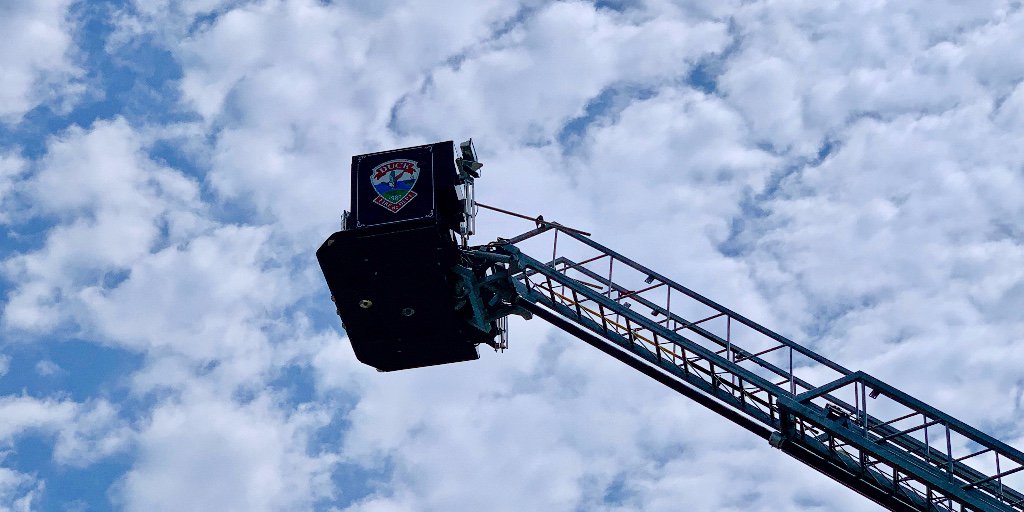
850 174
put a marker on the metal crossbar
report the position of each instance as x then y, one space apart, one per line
906 455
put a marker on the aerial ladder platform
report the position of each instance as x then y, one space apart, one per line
411 292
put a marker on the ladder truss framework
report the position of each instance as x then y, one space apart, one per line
856 429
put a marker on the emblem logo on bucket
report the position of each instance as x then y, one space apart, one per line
393 180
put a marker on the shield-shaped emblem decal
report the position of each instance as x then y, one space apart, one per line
393 180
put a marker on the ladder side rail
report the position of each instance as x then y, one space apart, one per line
885 432
638 362
927 476
815 391
708 302
873 483
896 457
692 378
540 268
744 354
907 442
878 489
954 424
939 458
698 370
893 477
935 479
694 359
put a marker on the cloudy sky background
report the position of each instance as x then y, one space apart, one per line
849 173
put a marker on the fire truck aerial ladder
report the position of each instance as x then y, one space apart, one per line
412 292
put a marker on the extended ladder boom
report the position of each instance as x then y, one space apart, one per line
411 293
904 454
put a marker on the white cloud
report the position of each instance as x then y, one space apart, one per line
113 206
11 167
555 425
663 171
802 71
84 433
524 86
213 292
904 233
901 241
22 413
135 261
299 86
184 8
332 55
204 453
34 56
19 492
46 368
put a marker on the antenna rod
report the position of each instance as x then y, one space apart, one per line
538 219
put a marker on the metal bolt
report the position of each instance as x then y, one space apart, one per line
365 303
408 311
